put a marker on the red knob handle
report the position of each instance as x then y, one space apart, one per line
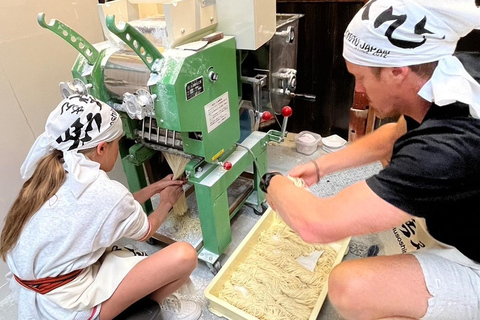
266 116
287 111
227 165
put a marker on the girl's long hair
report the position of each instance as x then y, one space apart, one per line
48 177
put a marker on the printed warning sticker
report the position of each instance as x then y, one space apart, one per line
217 112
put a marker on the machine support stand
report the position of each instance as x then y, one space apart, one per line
211 186
214 218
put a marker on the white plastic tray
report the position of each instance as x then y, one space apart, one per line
221 307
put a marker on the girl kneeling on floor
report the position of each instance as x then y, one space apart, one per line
59 234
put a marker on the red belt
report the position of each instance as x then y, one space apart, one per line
46 285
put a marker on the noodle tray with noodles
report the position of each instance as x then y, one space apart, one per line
273 275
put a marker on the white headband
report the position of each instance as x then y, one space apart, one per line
398 33
77 123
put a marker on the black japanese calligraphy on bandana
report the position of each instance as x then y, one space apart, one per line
78 132
397 21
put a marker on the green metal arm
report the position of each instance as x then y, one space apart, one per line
73 38
137 42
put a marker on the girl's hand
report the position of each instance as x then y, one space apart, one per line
170 194
160 185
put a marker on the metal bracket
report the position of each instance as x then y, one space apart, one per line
275 136
138 154
289 34
257 82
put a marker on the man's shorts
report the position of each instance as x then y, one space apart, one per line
455 289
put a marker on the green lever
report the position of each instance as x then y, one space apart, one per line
137 41
76 40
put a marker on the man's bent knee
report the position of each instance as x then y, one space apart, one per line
338 284
345 286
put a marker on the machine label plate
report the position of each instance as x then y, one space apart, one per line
194 88
217 112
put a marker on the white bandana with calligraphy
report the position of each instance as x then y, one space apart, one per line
398 33
77 123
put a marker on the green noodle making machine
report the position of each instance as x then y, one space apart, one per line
183 94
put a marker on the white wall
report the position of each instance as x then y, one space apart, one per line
33 61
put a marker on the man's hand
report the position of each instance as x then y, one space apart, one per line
307 172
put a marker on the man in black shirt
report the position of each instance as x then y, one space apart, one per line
400 52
